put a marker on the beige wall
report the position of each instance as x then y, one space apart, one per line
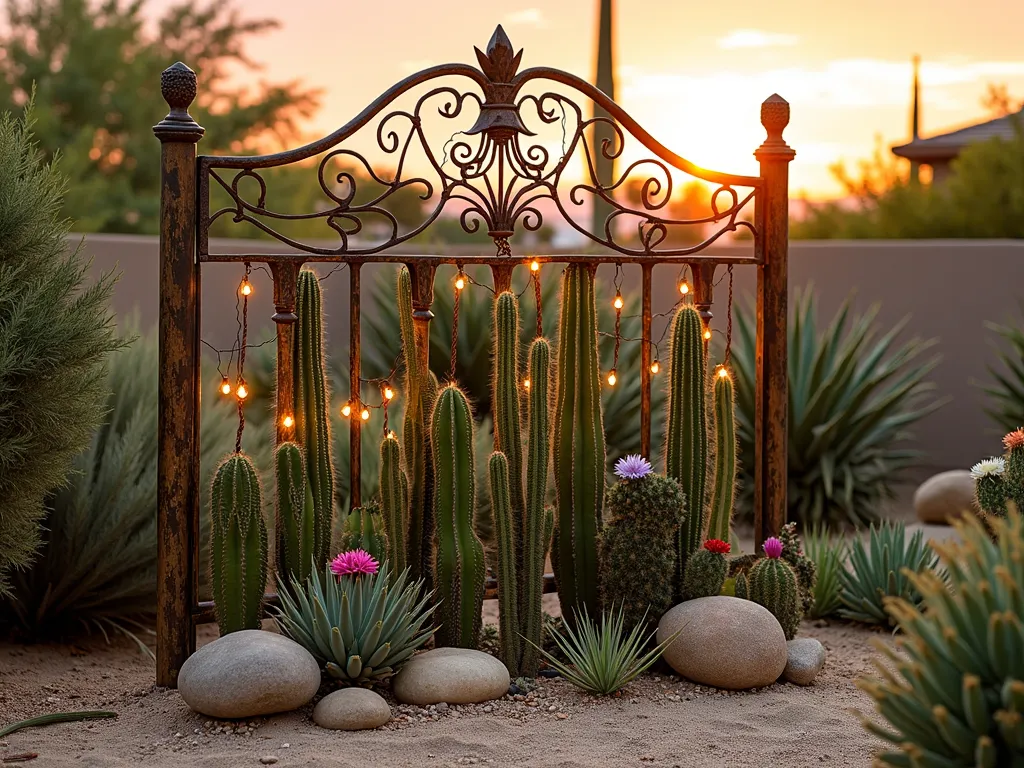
948 288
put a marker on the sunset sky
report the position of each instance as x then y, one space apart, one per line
693 73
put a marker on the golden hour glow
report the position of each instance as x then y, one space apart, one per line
288 422
346 410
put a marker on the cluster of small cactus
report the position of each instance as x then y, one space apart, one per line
579 446
1000 480
686 438
363 529
706 570
771 582
459 558
638 544
238 545
804 568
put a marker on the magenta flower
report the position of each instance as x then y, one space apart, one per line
773 547
632 467
355 562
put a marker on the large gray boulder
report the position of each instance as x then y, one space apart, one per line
945 497
248 673
351 709
724 642
452 675
805 658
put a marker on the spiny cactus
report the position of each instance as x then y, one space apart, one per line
686 439
364 529
394 501
638 546
990 485
804 568
579 448
773 584
506 385
296 516
723 491
459 563
312 422
508 592
706 570
238 545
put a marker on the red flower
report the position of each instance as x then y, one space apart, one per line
717 546
1014 440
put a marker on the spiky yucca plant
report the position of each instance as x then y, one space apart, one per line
1005 393
852 398
953 689
880 570
360 628
828 553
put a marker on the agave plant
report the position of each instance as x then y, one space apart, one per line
851 399
828 553
360 628
953 690
1006 393
881 570
602 659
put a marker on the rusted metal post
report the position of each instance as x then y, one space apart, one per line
772 382
285 280
355 423
422 274
646 271
179 389
502 274
703 295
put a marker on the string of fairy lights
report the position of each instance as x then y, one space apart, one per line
240 391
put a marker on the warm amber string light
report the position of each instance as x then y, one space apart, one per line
242 392
288 422
365 415
225 386
346 410
389 393
526 383
655 366
612 378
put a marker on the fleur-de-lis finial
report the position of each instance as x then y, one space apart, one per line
500 62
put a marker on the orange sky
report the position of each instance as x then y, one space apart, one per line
693 73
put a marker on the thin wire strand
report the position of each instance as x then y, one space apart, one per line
243 342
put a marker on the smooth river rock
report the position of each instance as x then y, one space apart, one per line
724 642
452 675
945 497
805 658
351 709
248 673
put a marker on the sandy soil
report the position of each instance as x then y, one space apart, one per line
658 720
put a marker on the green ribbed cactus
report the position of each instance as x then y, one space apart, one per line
706 570
772 583
394 501
238 545
579 449
312 422
723 491
686 439
508 582
364 529
420 394
508 436
296 517
459 561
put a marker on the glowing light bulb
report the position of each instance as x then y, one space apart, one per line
655 366
526 383
460 283
388 393
612 379
684 288
535 266
392 434
618 302
707 334
225 386
365 415
242 392
346 410
246 288
288 422
722 373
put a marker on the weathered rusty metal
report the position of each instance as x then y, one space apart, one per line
502 274
285 275
355 424
772 377
179 388
646 272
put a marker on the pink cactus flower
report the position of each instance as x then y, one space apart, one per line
773 548
355 562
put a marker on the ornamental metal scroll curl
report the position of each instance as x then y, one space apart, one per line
495 174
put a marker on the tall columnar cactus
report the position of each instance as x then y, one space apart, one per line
772 583
296 517
508 582
507 430
686 439
312 422
394 502
579 448
706 570
238 545
638 546
364 529
459 560
723 491
420 394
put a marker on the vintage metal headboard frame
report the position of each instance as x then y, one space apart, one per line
497 177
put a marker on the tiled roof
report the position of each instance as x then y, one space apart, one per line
948 145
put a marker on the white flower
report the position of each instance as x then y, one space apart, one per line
988 467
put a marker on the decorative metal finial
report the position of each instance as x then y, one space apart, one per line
775 116
500 62
178 86
499 117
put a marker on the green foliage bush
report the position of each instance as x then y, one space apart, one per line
1005 391
55 336
828 553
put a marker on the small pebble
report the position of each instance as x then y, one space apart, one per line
562 716
514 690
442 707
268 759
549 672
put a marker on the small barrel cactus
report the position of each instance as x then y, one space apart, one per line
990 485
364 529
706 570
773 584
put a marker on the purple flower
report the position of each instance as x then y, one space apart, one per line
355 562
773 547
632 467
